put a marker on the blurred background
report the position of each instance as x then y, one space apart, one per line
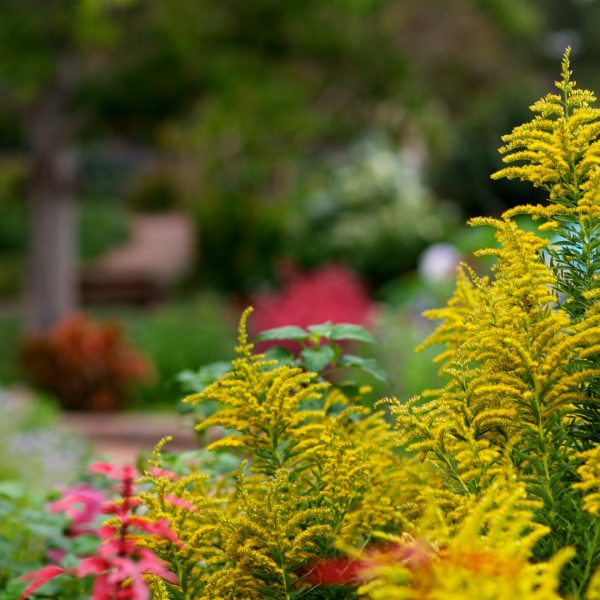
165 164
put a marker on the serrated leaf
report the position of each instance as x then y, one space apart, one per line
289 332
351 331
316 359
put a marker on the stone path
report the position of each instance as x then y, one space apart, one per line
124 436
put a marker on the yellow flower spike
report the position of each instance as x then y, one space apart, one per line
589 472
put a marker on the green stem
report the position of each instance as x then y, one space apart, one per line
590 558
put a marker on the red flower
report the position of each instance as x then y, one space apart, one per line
348 571
120 565
331 293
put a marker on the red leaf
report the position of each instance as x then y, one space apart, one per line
40 577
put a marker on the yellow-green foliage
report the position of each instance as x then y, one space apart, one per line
589 472
521 348
313 478
510 357
488 556
263 405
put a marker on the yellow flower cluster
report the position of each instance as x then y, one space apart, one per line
488 556
559 150
311 478
487 487
589 472
510 358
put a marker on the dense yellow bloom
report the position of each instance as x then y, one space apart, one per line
496 488
559 150
313 479
589 472
509 358
263 404
488 556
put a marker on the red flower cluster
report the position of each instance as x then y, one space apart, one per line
352 571
85 364
331 293
120 565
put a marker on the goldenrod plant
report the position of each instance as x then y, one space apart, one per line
559 151
521 349
314 472
489 555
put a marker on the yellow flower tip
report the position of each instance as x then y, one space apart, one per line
566 65
548 226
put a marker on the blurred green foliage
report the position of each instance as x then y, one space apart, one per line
184 335
248 98
153 192
25 528
372 211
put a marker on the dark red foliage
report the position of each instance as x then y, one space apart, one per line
87 365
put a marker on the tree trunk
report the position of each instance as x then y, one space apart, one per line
51 283
52 270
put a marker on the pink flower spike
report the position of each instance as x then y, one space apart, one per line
131 571
151 563
81 504
92 566
114 547
107 532
120 507
104 468
158 528
180 502
102 589
113 471
40 577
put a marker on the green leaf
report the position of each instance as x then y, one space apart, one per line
368 365
350 331
322 330
12 489
317 359
196 381
289 332
281 355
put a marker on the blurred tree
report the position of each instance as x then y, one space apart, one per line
245 94
44 47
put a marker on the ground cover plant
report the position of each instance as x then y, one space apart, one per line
486 487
